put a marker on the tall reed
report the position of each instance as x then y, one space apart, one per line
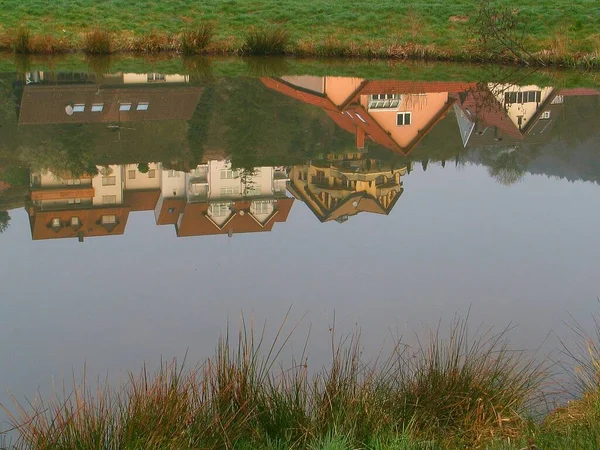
461 389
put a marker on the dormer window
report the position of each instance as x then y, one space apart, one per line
109 222
56 223
75 223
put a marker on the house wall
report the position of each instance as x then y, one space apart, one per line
173 183
100 191
142 78
48 179
423 109
525 110
338 89
141 180
315 84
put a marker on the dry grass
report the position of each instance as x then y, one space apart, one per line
197 40
155 42
266 41
98 42
451 390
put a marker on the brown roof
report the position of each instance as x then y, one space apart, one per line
141 200
90 220
62 193
196 222
579 92
170 210
44 104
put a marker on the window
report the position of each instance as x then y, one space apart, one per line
109 181
125 107
546 115
230 190
97 107
254 189
77 201
219 209
384 101
131 174
142 106
228 174
523 97
173 174
71 201
109 199
56 222
171 210
74 182
360 117
108 220
153 77
403 118
78 108
75 221
262 207
152 173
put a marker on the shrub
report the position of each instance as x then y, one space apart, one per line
266 41
22 41
97 42
197 40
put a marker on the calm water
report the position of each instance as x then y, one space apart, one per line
147 210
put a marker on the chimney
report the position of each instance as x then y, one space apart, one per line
80 236
360 138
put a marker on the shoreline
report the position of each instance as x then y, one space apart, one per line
103 43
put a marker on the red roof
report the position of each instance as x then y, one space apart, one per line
196 222
141 200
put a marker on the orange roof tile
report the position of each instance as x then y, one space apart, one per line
90 220
141 200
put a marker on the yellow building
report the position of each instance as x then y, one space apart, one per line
338 190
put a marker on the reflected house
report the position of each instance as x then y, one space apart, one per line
56 98
493 113
67 206
214 199
211 199
394 114
339 190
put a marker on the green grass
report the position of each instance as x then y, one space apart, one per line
562 27
462 390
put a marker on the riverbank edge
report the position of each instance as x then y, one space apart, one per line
200 43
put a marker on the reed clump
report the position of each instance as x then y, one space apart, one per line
98 42
266 41
197 40
452 390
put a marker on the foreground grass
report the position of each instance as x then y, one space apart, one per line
464 392
561 31
455 391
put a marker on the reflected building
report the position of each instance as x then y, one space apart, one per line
63 98
213 198
341 189
394 114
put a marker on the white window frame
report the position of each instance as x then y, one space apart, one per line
404 115
109 199
125 107
79 108
222 209
109 181
130 173
110 219
97 107
142 106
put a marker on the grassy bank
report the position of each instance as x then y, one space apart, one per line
560 32
465 391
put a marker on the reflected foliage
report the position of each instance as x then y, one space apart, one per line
4 221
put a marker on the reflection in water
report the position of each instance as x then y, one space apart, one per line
399 169
99 147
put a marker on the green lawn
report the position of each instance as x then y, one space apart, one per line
574 24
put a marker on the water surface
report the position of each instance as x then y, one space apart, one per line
148 210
